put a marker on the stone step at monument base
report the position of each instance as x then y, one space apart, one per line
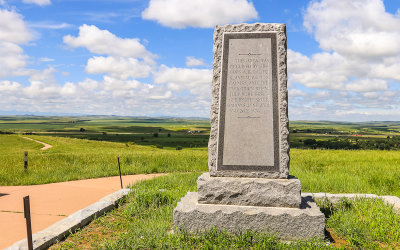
249 191
305 222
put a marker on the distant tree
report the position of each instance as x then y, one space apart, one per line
169 135
104 133
309 142
159 130
82 130
155 135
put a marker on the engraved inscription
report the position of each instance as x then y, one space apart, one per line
249 132
249 89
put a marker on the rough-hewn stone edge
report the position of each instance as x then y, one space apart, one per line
282 96
249 191
335 198
61 229
306 222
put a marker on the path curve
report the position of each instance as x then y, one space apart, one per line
46 146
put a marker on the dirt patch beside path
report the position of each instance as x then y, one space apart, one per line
46 146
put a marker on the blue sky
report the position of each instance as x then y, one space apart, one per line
154 58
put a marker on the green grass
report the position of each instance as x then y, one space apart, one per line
347 171
145 222
365 223
98 124
333 171
72 159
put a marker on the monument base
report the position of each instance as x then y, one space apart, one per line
249 191
305 222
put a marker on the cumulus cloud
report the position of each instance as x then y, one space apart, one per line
118 67
199 13
196 81
108 96
13 33
193 61
355 28
360 43
38 2
126 57
355 75
104 42
12 59
13 28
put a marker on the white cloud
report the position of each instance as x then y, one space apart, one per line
357 70
46 59
118 67
109 96
50 25
13 33
110 83
88 84
367 85
196 81
296 93
371 95
355 28
13 28
8 86
38 2
167 95
104 42
192 61
199 13
12 59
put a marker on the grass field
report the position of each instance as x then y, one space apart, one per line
71 159
189 133
147 145
333 171
145 222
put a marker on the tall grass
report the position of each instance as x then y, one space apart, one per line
347 171
71 159
145 222
333 171
366 223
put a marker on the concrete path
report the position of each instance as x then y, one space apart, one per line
52 202
45 145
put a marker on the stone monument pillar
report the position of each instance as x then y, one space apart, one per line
248 186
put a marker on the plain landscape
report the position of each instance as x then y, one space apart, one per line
332 157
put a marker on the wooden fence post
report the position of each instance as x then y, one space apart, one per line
27 214
26 160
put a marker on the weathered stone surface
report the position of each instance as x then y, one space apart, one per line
277 152
249 191
287 223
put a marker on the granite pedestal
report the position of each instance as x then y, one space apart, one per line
248 186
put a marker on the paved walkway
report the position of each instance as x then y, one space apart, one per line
52 202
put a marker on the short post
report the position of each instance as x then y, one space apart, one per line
26 160
27 214
120 176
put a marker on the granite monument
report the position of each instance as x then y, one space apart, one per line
248 186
